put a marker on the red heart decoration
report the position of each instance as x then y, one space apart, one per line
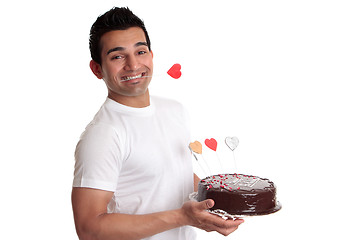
175 71
211 143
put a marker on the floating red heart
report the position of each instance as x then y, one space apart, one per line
175 71
211 143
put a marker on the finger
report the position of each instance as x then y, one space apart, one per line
222 230
226 231
206 204
237 220
223 223
229 227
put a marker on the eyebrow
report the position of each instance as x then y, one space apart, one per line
122 48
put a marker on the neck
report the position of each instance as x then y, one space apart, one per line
131 101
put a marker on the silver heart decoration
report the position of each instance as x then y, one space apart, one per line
232 142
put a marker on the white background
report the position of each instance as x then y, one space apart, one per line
272 73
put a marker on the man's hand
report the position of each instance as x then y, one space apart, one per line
197 216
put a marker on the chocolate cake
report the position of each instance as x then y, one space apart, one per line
239 194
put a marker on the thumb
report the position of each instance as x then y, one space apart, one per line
206 204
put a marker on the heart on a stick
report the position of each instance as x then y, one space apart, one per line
175 71
196 147
232 142
211 143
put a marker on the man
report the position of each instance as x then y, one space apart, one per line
133 170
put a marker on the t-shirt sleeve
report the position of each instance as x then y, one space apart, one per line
98 158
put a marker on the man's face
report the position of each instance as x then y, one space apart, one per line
126 61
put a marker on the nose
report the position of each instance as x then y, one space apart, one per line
131 63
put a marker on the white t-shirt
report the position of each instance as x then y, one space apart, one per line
140 154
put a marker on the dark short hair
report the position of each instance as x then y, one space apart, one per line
115 19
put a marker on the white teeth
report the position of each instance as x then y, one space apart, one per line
130 78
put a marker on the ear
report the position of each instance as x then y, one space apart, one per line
96 69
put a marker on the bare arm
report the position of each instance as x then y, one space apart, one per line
93 222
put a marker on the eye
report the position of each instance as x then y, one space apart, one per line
116 57
142 52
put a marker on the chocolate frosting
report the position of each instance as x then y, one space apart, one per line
239 194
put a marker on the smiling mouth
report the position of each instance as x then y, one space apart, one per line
128 78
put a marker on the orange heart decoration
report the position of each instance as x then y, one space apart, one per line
196 147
